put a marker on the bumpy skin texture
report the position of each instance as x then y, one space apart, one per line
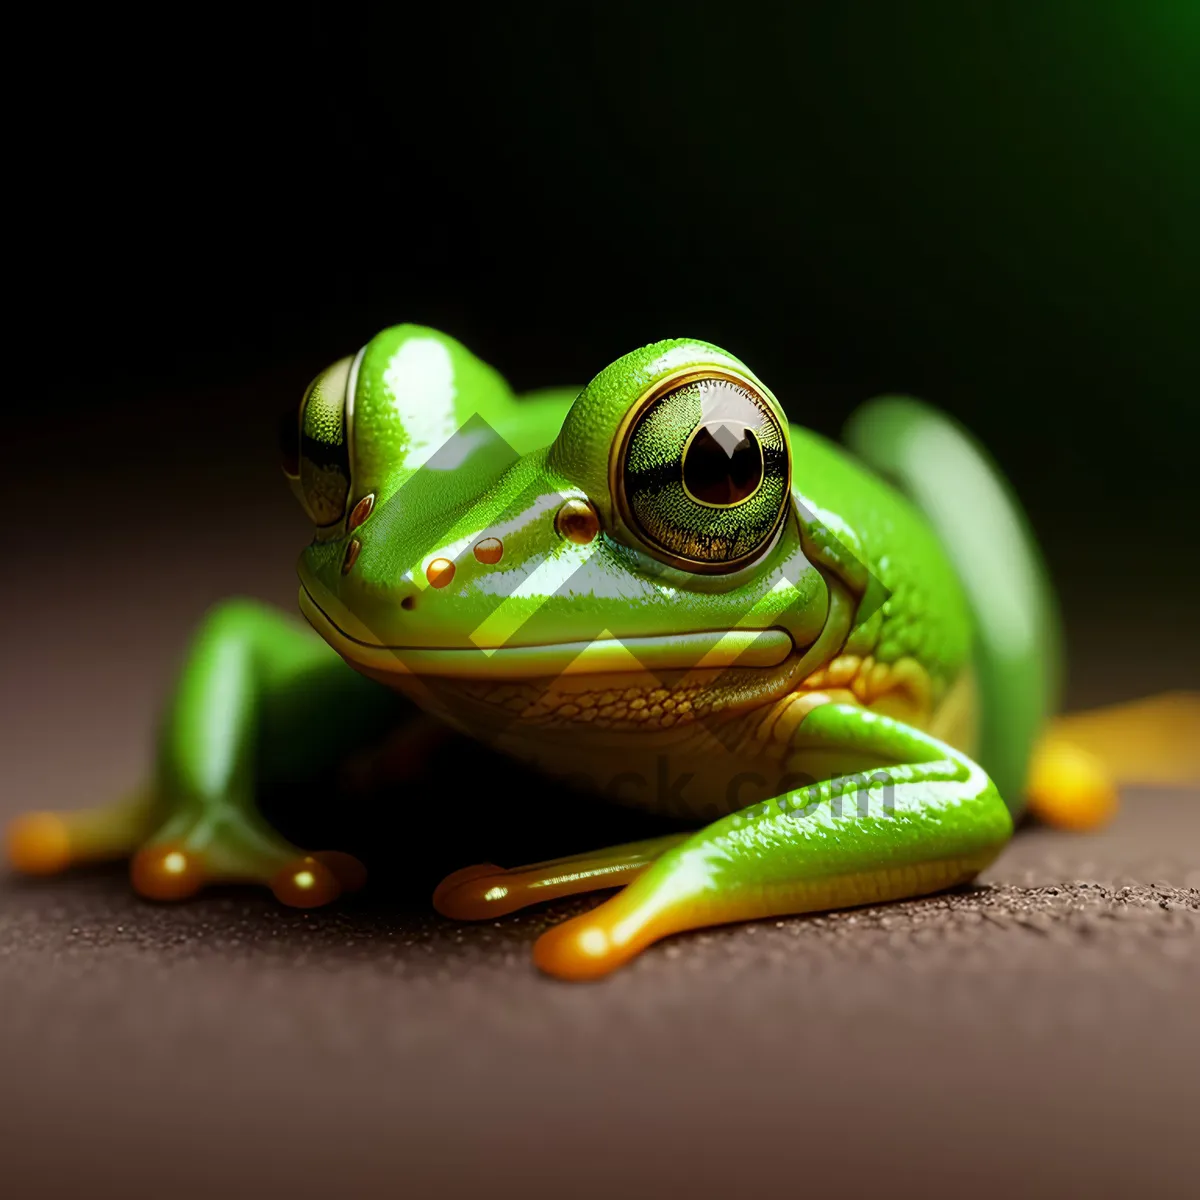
471 554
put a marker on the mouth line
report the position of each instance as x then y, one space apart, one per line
702 650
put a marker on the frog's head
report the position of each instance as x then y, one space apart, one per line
650 524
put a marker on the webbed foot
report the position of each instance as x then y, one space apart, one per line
174 859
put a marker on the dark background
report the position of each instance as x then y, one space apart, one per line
992 206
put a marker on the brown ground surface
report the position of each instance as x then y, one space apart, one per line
1035 1035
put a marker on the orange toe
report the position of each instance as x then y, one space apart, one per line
593 944
1069 787
166 873
308 883
38 844
460 896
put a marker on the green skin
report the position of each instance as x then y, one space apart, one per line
803 815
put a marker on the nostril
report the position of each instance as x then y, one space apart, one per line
409 603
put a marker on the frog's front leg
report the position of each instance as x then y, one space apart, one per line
197 823
919 818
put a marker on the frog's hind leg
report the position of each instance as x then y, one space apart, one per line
483 891
1083 758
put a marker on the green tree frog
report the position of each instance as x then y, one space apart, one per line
849 653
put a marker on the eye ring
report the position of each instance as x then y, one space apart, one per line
754 484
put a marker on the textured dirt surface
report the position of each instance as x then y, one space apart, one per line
1038 1032
1036 1035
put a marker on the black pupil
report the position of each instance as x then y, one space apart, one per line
722 465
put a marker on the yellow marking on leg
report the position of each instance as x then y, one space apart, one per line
908 676
956 718
904 684
801 704
843 670
480 892
597 942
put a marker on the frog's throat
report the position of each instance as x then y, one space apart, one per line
697 650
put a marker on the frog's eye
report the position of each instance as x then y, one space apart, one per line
702 472
315 451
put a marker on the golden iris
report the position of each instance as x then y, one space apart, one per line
705 473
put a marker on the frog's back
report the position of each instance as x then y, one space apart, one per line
969 594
